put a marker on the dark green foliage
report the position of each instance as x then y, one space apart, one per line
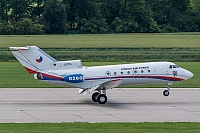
105 16
19 8
196 5
174 15
95 25
9 29
117 25
23 27
54 17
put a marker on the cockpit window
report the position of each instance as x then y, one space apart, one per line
177 66
173 66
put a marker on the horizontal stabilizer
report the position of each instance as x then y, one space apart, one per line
18 48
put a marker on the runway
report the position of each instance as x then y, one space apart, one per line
124 105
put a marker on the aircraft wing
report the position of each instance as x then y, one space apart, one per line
106 85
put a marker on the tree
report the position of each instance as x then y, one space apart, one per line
35 9
117 25
19 8
54 17
111 9
38 9
174 15
81 10
196 5
4 9
95 26
27 27
138 16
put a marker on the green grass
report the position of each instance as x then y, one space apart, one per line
182 40
100 127
181 47
101 49
13 75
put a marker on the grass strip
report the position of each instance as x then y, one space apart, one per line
166 127
161 40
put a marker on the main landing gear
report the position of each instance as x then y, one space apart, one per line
100 97
166 92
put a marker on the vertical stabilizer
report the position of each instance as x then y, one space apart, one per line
33 58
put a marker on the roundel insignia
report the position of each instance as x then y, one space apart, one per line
39 59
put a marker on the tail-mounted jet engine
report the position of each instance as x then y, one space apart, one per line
38 76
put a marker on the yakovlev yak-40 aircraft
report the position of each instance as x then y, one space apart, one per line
97 78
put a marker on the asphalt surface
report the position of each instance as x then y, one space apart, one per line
124 105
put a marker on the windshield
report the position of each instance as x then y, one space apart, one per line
173 66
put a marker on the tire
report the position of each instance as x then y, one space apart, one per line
166 93
102 99
94 96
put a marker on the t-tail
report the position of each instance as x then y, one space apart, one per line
35 60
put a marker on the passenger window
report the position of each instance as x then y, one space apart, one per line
135 71
121 72
115 73
128 72
170 67
108 73
149 71
142 71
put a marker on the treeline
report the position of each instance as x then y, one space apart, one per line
98 16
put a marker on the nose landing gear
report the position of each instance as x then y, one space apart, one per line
166 92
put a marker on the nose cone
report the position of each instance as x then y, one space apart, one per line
188 74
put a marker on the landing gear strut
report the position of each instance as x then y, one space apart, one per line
100 97
166 92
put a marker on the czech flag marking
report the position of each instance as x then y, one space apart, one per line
39 59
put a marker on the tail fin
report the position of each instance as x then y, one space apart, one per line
33 58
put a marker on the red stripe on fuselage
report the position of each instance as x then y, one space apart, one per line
30 70
43 74
51 77
143 76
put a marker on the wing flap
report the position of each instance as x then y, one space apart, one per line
106 85
112 83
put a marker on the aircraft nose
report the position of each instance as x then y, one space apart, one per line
188 74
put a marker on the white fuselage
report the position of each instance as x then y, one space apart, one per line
130 74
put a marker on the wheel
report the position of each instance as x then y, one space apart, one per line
166 93
102 99
94 96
